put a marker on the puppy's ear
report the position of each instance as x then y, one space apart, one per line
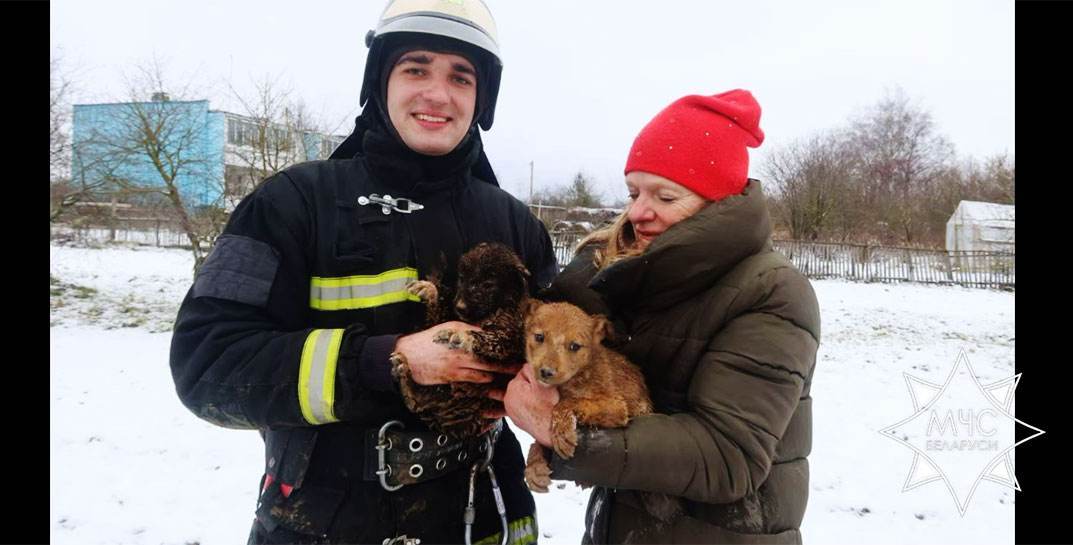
529 307
520 267
523 274
601 328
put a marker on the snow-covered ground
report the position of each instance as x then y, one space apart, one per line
129 464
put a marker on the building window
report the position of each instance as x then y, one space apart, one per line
241 133
248 133
238 132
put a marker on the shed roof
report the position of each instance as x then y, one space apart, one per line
976 211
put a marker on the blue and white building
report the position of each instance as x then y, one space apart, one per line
214 147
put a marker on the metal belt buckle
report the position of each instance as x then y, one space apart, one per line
384 444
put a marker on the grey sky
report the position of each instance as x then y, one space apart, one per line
582 77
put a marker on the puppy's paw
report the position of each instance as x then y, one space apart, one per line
564 435
424 290
537 471
443 336
461 340
538 477
399 366
400 371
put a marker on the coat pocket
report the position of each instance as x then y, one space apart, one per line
359 234
308 510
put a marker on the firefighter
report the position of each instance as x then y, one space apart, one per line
290 321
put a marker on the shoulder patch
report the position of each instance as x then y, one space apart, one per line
238 269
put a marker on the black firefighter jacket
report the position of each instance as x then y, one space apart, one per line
290 321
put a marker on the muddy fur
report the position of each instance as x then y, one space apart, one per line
491 293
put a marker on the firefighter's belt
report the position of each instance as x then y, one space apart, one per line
396 457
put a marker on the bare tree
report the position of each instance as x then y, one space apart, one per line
581 192
59 142
999 185
810 179
886 176
153 146
276 131
900 155
312 127
66 189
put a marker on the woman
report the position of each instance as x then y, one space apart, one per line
724 328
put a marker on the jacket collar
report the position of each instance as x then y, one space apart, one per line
406 170
691 255
412 174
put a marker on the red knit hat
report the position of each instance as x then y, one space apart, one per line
699 142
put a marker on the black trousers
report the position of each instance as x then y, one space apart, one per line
260 536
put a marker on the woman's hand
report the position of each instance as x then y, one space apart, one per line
529 405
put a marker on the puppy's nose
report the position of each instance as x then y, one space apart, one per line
546 373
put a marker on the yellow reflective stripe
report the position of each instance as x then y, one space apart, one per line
303 376
362 291
316 375
365 279
328 391
363 302
519 532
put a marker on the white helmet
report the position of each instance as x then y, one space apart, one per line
468 22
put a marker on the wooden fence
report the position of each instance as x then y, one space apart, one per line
872 263
149 232
893 264
815 259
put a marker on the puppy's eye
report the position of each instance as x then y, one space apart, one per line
574 347
538 337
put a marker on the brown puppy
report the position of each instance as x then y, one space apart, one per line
597 386
492 292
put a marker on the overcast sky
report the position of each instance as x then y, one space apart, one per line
582 77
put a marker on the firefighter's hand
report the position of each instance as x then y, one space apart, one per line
529 405
436 363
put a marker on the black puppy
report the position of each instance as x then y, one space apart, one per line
492 293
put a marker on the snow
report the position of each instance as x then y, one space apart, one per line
129 464
135 286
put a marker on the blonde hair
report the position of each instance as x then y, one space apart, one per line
613 243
